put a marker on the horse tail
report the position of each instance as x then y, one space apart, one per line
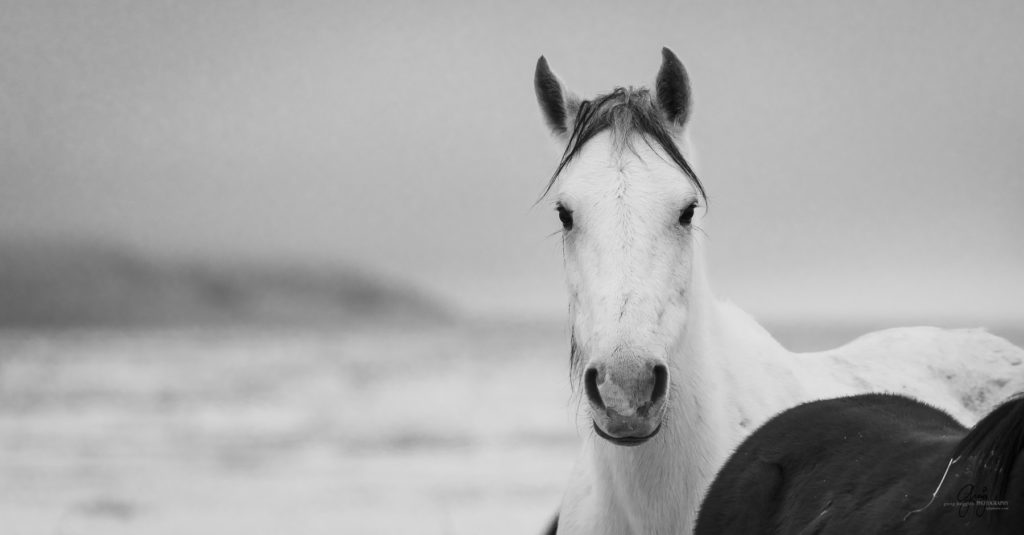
997 444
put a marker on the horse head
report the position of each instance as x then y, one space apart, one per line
629 205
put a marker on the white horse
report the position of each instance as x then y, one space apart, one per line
674 378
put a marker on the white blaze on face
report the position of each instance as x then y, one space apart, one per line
628 260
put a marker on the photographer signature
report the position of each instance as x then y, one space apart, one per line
966 498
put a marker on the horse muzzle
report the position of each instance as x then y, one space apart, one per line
627 400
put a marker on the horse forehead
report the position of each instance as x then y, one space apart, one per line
638 173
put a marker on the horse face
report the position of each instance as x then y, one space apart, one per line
628 220
628 212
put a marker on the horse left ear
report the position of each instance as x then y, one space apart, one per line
673 88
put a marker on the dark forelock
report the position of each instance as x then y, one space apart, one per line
628 113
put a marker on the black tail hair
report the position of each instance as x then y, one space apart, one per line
996 442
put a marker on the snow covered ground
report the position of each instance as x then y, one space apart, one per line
426 430
442 430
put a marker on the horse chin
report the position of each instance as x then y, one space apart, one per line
628 440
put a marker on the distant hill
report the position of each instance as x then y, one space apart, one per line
78 285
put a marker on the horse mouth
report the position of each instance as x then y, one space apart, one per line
625 441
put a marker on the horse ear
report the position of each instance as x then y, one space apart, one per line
673 88
558 105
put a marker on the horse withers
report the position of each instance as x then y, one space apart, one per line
873 463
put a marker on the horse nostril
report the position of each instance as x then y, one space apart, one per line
590 385
660 383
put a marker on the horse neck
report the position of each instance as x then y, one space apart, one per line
719 392
734 369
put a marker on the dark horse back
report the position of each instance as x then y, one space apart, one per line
868 464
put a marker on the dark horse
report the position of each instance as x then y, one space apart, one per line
874 463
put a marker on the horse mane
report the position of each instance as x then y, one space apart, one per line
996 442
628 113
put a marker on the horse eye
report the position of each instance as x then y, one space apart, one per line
686 216
565 216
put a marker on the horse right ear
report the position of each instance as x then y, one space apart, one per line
558 105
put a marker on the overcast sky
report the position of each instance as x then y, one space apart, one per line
863 159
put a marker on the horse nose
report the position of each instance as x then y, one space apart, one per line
626 390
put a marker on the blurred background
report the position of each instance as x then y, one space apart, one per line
280 266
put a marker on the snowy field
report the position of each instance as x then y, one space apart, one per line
441 430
